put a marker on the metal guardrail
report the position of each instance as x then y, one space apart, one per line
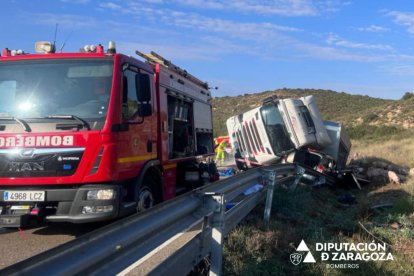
198 221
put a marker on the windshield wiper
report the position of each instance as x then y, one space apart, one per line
73 117
21 122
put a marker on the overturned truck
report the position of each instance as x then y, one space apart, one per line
288 130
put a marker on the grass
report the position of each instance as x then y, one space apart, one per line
315 215
368 132
399 150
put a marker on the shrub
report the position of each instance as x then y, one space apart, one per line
407 96
365 131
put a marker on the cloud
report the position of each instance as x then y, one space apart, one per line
287 8
373 29
154 1
249 31
76 1
207 48
338 41
266 7
404 19
331 53
402 57
266 40
244 30
64 20
398 69
188 35
111 6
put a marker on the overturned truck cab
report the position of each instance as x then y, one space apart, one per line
288 130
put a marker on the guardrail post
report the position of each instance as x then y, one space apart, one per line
270 178
217 233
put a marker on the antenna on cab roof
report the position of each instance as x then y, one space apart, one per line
54 39
56 29
66 40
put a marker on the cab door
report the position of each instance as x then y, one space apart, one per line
138 144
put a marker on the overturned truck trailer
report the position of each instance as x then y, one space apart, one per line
288 130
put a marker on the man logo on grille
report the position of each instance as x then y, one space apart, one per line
27 152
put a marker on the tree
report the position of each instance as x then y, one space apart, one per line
407 96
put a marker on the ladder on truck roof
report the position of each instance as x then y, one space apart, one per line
153 58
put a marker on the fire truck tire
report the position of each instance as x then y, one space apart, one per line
148 193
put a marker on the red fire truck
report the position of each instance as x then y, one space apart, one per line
95 135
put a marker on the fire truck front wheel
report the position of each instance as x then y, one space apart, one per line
148 193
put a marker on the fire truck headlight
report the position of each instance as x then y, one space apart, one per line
26 106
106 194
97 209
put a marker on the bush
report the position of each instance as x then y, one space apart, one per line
371 117
365 131
407 96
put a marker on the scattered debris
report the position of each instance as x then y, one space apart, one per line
395 226
377 175
382 205
380 164
253 189
230 205
402 170
347 199
380 171
394 178
372 193
227 172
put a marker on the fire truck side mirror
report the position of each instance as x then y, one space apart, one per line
143 87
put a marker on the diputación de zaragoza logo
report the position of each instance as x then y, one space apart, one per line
342 255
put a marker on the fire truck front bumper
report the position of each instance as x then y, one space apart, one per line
91 203
87 203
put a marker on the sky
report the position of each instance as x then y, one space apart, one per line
240 46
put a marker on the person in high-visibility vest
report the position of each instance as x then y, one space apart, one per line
221 152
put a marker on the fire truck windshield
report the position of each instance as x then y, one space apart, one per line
276 130
35 89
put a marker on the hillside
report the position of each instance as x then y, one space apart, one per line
362 115
381 212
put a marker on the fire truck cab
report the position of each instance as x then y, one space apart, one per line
95 135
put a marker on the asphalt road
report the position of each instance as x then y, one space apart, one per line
17 245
